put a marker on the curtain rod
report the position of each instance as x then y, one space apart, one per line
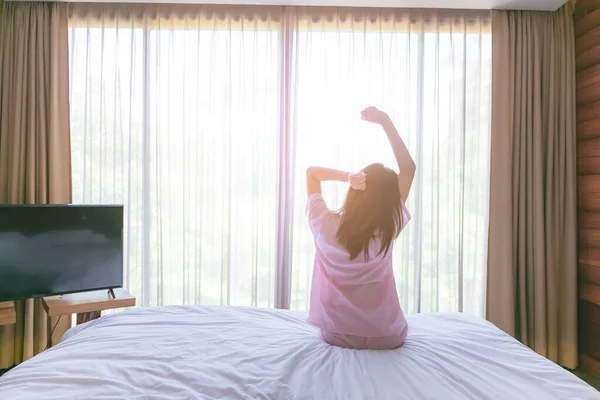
533 5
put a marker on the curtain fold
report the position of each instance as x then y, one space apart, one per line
532 278
35 159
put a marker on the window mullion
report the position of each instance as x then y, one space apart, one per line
146 174
285 165
419 160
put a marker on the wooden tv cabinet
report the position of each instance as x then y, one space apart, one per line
87 305
8 315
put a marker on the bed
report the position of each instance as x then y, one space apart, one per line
181 352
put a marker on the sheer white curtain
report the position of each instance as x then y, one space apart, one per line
175 115
431 71
203 119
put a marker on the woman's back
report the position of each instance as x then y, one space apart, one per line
351 296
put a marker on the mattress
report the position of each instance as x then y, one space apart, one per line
251 353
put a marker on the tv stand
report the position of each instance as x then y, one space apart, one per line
87 305
7 313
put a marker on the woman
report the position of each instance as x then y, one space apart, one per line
353 298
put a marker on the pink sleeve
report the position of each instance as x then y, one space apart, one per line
405 215
317 212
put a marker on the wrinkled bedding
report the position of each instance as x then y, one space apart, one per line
182 352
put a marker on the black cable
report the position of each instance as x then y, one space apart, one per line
49 339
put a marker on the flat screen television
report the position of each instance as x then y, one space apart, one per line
59 249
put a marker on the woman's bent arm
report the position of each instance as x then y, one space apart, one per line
316 175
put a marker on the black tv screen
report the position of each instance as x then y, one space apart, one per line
58 249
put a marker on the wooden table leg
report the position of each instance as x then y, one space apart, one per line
49 332
88 316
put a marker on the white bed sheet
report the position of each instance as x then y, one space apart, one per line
250 353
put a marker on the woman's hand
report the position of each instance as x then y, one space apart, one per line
374 115
358 181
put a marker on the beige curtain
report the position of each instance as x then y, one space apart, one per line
35 155
532 279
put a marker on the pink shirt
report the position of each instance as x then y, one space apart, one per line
352 297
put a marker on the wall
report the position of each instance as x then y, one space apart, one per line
587 48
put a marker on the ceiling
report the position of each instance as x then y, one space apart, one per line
542 5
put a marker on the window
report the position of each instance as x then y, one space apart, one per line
181 126
436 87
202 121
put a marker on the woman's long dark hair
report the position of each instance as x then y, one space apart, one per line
370 213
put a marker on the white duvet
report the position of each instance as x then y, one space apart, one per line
250 353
